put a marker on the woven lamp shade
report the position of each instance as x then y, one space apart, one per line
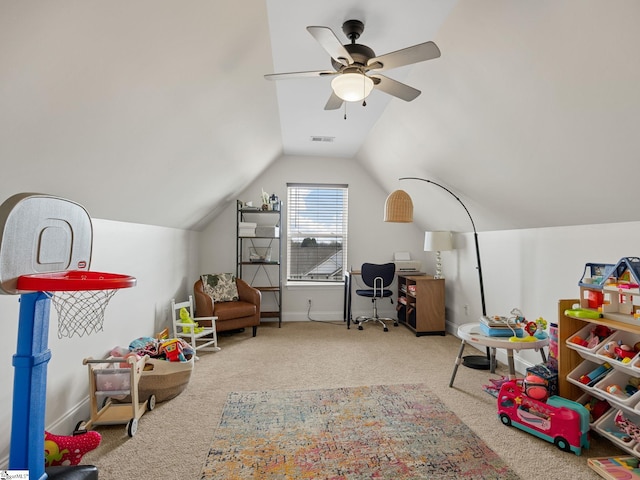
398 207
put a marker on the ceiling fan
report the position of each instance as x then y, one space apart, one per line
356 66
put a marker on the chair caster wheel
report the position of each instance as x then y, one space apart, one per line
360 327
395 324
386 329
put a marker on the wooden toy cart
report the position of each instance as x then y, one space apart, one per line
116 378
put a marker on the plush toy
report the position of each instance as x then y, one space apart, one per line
68 450
125 353
185 318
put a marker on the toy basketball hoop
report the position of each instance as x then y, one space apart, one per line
79 297
45 256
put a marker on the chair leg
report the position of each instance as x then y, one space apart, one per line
374 318
255 330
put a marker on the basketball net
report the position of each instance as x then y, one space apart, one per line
80 311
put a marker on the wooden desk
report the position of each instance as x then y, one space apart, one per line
421 299
348 279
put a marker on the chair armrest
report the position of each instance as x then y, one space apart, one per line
247 293
204 318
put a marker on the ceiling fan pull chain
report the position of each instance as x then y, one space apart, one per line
364 90
345 110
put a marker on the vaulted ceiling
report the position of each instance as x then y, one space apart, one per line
157 112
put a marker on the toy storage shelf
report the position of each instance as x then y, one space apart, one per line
574 361
421 304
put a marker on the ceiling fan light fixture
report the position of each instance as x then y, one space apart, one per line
352 87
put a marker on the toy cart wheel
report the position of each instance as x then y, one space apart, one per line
504 418
151 403
81 427
562 444
132 427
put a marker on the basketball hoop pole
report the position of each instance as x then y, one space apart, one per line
30 385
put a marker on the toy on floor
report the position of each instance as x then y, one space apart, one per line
616 467
185 318
68 450
563 422
536 387
494 385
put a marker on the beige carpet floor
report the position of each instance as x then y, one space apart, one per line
173 440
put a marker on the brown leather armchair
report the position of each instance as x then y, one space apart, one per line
231 315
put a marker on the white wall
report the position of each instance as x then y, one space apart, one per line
370 239
164 260
530 269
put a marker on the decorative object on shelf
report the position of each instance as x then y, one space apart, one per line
399 208
438 242
274 202
259 254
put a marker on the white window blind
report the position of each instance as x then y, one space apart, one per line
316 232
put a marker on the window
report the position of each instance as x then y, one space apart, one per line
316 232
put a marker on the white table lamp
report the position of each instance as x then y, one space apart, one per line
438 242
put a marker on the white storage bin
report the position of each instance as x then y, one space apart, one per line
112 380
585 368
625 338
586 400
608 429
267 231
584 333
620 379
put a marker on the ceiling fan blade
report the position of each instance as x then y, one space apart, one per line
334 102
395 88
328 40
285 76
406 56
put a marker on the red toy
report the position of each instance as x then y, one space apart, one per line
68 450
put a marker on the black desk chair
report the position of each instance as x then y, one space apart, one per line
377 278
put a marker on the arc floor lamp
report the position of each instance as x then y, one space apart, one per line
399 208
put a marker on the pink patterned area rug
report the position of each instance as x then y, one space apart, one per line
385 432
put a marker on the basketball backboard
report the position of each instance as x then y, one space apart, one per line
42 233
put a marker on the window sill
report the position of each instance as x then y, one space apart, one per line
294 285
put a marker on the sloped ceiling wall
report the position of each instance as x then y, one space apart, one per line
147 111
531 116
156 111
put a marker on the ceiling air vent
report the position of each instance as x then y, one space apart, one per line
322 139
